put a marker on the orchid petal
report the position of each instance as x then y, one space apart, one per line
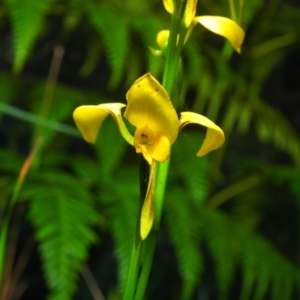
147 213
160 149
169 6
224 27
89 118
190 11
141 148
149 106
214 135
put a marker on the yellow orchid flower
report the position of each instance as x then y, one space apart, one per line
219 25
150 110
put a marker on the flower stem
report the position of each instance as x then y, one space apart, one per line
134 262
232 10
173 52
171 63
130 285
148 253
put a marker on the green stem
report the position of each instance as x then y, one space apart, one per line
133 270
232 10
242 12
170 72
171 63
136 290
134 262
149 249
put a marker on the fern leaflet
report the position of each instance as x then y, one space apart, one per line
26 18
62 214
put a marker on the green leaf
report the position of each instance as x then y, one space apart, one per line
184 230
110 148
193 170
229 242
27 17
223 246
123 205
273 126
63 214
113 28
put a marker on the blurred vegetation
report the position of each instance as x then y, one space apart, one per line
231 219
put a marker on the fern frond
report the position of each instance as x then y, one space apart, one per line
119 195
223 246
109 148
282 175
26 19
123 203
195 63
147 27
192 170
271 125
62 213
230 243
113 28
250 11
184 230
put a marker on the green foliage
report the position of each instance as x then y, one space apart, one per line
110 149
194 172
121 200
118 193
222 244
27 18
103 191
63 216
62 104
272 125
184 231
256 255
122 213
8 89
113 27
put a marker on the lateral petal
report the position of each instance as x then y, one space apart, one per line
224 27
214 136
89 118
